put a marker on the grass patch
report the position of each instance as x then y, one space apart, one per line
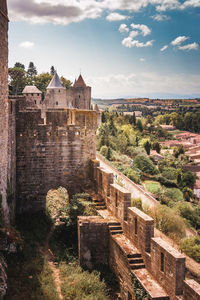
152 187
29 276
81 285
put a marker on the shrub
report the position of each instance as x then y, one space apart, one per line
165 181
174 194
143 163
168 221
104 150
137 202
191 247
81 285
57 202
132 175
189 213
170 173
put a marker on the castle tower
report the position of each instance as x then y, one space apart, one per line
81 94
33 96
4 108
56 94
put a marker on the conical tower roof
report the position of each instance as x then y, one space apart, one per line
55 82
80 82
96 107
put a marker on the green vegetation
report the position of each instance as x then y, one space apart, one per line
152 187
30 275
19 78
191 247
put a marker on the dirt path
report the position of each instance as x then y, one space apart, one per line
50 259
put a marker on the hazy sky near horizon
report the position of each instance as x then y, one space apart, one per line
123 48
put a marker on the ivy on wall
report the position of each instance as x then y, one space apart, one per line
139 292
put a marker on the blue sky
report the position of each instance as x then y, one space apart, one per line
123 48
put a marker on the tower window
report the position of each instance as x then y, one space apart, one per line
116 199
162 261
35 101
79 96
56 102
136 226
59 91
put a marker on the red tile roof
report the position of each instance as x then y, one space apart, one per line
80 82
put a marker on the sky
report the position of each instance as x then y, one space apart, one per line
122 48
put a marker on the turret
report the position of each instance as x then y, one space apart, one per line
81 94
33 96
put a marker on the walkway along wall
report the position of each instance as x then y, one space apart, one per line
135 255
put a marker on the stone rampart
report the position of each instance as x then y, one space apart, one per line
52 151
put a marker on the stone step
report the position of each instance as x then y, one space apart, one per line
100 204
135 260
115 227
134 255
137 266
114 224
100 207
116 232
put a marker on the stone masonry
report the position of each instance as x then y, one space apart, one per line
4 167
135 255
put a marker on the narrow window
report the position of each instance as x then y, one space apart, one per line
162 262
116 199
136 226
31 94
79 96
56 102
35 101
59 91
38 94
130 297
11 108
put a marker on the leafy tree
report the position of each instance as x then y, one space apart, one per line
109 154
139 125
31 70
144 163
178 150
52 70
156 146
66 83
147 147
104 150
19 65
42 81
17 80
188 180
191 247
103 117
112 128
133 119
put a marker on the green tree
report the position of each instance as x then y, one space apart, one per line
52 70
19 65
144 163
66 83
139 125
31 70
156 146
42 81
188 180
17 80
178 150
103 117
147 147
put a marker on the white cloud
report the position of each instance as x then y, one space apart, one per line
116 17
67 11
130 43
144 29
26 44
179 40
123 28
142 59
191 3
160 17
163 48
133 34
193 46
144 84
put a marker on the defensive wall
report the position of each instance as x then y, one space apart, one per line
123 238
53 148
4 109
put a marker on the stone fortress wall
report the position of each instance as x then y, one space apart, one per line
4 107
123 237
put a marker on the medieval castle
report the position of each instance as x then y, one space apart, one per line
51 142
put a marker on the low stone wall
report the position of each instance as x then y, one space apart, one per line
93 241
191 290
167 266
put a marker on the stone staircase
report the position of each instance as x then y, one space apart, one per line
135 261
115 228
99 203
